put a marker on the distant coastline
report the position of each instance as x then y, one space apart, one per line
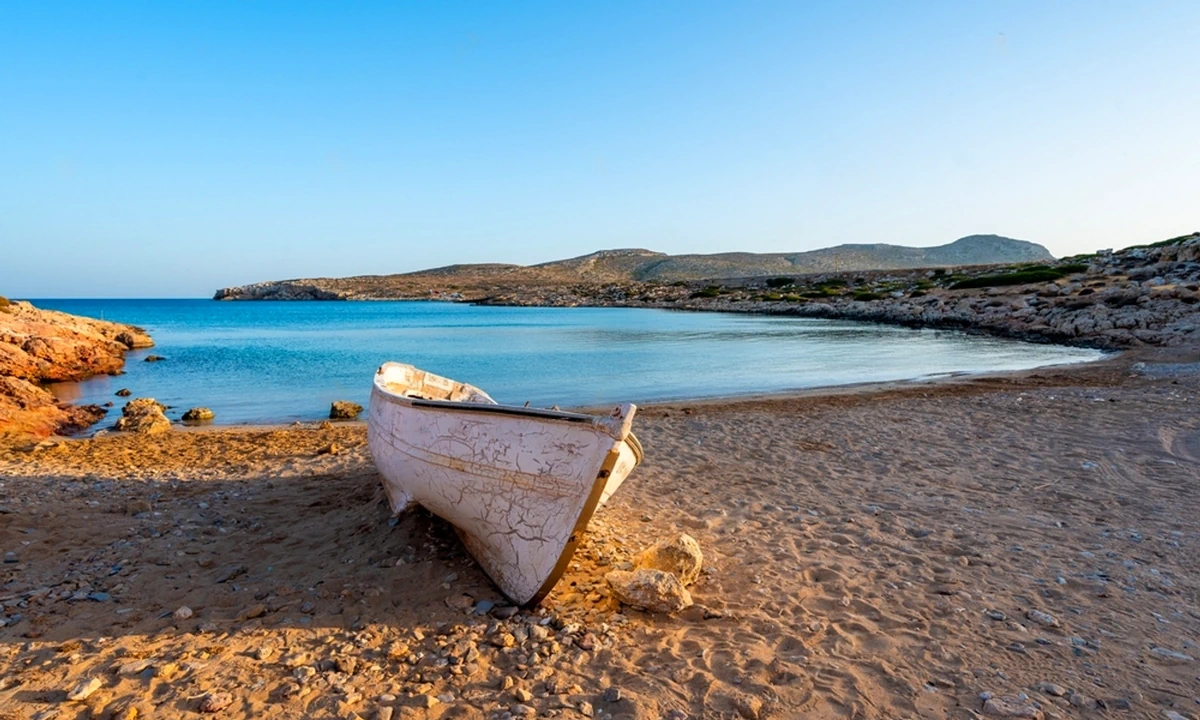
1147 295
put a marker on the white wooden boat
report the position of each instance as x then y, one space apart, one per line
518 484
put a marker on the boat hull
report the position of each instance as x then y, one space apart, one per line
519 486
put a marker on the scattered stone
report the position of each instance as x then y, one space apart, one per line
134 667
384 712
505 612
1052 689
612 694
1011 707
996 615
681 557
137 507
230 572
522 711
747 706
522 695
215 702
198 414
344 410
585 708
1080 700
183 613
483 607
331 449
460 602
254 611
425 701
10 557
124 392
1167 654
84 688
1172 715
647 589
1041 618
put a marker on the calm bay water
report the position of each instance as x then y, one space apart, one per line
265 362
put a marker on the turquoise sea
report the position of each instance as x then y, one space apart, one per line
268 362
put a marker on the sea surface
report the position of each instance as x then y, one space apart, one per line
272 362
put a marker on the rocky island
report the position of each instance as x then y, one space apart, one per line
43 346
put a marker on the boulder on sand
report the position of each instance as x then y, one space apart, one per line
344 410
681 557
144 416
649 589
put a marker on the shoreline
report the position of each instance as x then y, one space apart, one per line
937 380
887 550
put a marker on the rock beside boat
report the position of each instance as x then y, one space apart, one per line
144 416
649 589
344 410
680 556
198 414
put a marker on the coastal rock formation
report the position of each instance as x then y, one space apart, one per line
649 589
279 290
680 556
26 409
40 346
198 414
144 416
478 281
344 410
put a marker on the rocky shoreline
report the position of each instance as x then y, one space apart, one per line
43 346
1147 296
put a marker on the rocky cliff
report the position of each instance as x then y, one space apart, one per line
40 346
473 282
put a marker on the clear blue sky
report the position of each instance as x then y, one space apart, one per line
165 149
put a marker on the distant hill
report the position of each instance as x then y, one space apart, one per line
636 265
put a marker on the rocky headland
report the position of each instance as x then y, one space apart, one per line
1137 296
43 346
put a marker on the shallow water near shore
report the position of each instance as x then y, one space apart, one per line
267 362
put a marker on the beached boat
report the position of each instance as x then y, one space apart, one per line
519 484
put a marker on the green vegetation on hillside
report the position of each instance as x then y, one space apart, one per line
1020 276
1164 243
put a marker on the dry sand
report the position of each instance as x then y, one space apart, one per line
879 553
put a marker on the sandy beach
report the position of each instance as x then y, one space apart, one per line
1021 545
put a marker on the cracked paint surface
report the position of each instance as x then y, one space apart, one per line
513 485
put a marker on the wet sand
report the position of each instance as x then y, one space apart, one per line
915 550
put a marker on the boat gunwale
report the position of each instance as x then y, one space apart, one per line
496 408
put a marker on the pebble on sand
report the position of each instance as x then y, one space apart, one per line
1042 618
215 702
84 688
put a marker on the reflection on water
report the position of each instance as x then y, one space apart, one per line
279 361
